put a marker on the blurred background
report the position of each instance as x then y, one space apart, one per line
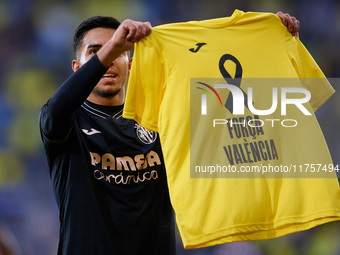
36 53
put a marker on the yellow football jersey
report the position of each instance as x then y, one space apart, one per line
244 162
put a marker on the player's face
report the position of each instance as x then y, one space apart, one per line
112 83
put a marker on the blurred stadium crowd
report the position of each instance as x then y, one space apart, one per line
36 53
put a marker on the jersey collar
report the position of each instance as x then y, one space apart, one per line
103 111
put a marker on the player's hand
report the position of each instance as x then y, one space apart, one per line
130 32
123 40
290 22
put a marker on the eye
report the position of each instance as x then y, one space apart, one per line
93 51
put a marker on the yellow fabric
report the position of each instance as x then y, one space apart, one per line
212 211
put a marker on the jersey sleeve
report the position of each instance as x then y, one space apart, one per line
56 116
146 85
310 74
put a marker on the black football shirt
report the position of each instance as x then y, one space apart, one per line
107 172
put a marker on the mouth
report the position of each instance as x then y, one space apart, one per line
109 76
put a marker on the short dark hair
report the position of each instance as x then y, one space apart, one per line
91 23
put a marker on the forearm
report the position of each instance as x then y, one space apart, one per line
56 117
109 52
74 91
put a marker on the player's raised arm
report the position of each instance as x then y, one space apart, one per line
123 40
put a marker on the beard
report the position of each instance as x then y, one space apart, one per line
106 93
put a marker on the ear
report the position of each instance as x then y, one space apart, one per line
75 65
129 67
